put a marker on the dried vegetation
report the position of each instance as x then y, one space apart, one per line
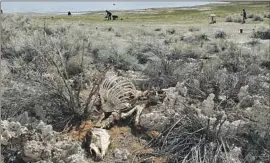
207 100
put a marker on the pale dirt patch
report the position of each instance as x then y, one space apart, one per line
230 28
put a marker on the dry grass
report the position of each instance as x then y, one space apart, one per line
185 141
80 132
220 34
234 18
258 18
262 32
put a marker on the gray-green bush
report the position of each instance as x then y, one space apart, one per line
45 66
233 18
193 29
263 32
220 34
258 18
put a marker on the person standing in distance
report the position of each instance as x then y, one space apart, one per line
244 16
109 15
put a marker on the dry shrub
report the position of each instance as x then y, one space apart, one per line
195 37
258 18
229 18
206 76
267 15
161 72
145 51
254 42
220 34
193 29
258 85
250 15
216 46
110 29
118 34
75 65
121 61
201 36
170 31
265 64
228 71
235 58
188 37
118 55
212 47
185 51
44 68
187 71
190 139
147 32
263 32
234 18
172 39
256 147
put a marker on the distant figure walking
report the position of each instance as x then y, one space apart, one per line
69 13
1 11
244 16
109 15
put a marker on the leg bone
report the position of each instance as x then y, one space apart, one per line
139 109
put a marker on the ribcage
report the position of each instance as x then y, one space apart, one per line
116 92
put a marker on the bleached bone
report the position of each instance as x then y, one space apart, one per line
118 96
100 142
116 93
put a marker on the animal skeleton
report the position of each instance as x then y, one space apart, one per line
118 96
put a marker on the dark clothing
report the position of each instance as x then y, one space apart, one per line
109 15
244 16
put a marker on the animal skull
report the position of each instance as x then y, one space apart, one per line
100 142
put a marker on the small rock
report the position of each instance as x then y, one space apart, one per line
34 144
222 98
182 89
235 155
32 150
23 118
208 105
246 101
243 92
153 120
196 83
121 154
249 109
